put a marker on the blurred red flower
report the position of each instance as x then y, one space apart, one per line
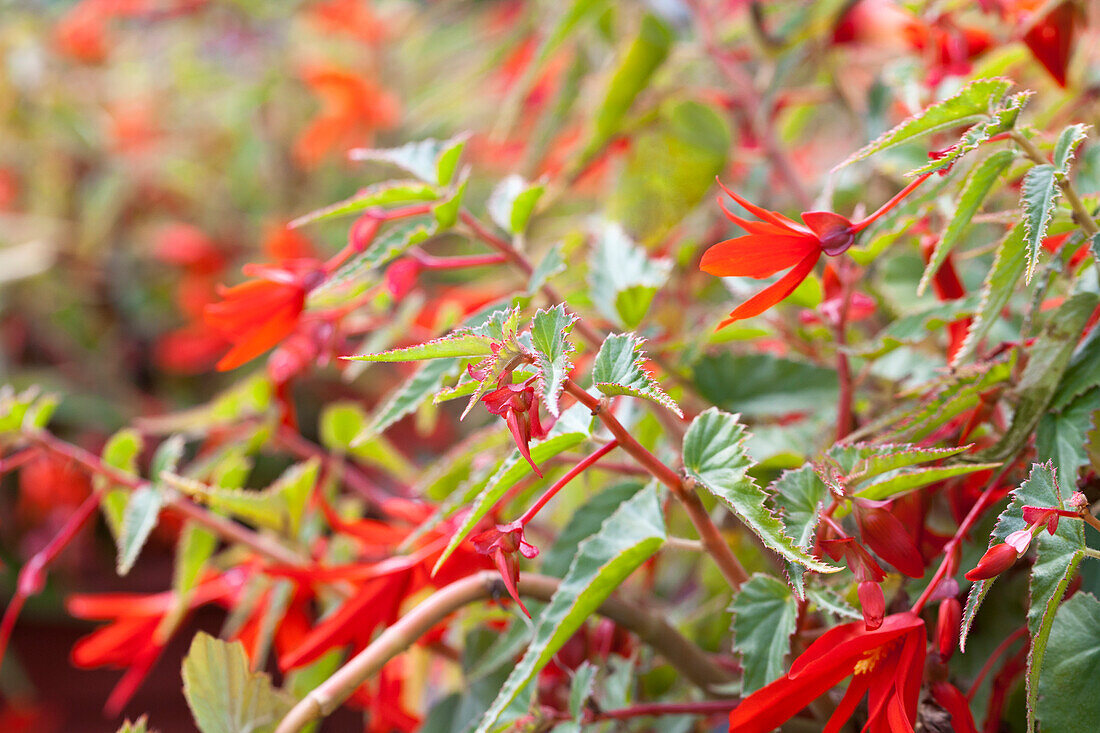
352 108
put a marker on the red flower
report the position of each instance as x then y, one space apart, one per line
777 243
947 627
519 407
353 17
352 108
259 313
868 572
995 561
1050 38
133 640
886 663
501 544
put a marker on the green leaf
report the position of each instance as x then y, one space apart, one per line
138 521
917 327
715 457
341 424
551 264
586 521
1066 146
619 369
584 677
224 695
670 168
1038 194
628 538
549 332
280 506
1000 121
647 52
1056 560
432 161
947 398
622 278
972 103
449 347
762 384
387 193
389 244
977 187
764 613
798 497
167 457
446 212
512 202
826 600
1008 264
1082 374
561 438
1073 656
1047 361
424 382
904 482
120 452
1062 437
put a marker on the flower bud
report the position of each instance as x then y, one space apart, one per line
872 602
995 561
947 627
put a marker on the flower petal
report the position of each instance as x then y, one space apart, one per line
774 293
773 217
756 255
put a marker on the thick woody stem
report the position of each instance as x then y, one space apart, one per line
691 661
713 541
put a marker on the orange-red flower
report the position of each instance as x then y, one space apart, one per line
352 108
776 243
887 664
351 17
257 314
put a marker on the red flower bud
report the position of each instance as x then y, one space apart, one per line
995 561
873 603
947 627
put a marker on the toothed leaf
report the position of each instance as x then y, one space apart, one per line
224 694
798 497
972 103
1008 264
512 203
1038 194
715 456
449 347
619 369
1066 146
978 185
622 277
432 161
388 193
549 335
1001 120
764 614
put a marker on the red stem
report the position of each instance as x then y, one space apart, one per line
993 658
431 262
709 534
380 216
561 483
862 224
952 545
31 575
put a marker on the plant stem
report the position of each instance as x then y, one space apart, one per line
951 547
691 661
561 483
518 259
654 709
221 526
1080 214
431 262
710 535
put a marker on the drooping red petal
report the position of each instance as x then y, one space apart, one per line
757 227
775 292
857 688
1051 40
887 536
281 325
756 256
954 702
773 217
